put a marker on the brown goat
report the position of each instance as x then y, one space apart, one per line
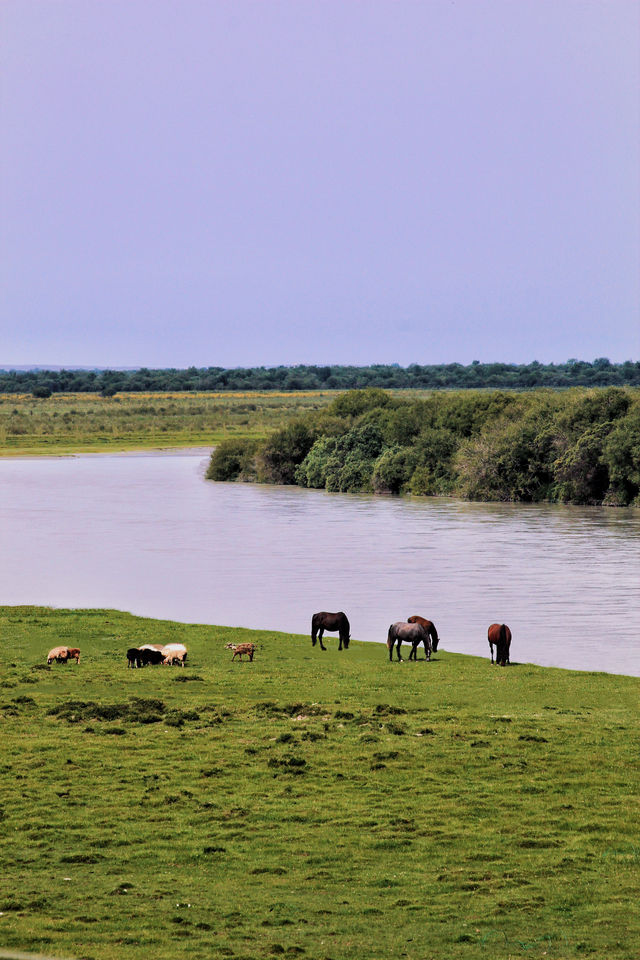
240 648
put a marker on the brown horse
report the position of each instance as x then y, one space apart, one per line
330 621
413 633
500 634
429 627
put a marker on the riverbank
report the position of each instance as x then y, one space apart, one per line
65 424
308 803
576 446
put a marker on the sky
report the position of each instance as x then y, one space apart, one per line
262 182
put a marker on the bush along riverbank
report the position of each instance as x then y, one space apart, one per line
575 446
309 804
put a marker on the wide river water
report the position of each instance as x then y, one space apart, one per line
147 533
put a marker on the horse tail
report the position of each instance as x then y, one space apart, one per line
390 638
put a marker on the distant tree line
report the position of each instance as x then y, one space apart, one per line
573 373
578 446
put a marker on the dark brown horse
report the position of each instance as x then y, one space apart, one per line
500 634
413 633
330 621
429 627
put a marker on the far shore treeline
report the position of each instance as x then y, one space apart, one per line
577 446
452 376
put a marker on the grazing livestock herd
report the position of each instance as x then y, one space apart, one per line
155 653
415 630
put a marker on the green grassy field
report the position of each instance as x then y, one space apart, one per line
309 804
75 423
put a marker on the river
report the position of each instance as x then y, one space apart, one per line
146 533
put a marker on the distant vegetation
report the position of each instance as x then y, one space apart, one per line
577 446
573 373
72 423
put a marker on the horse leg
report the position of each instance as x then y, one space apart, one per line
427 648
398 650
491 648
322 646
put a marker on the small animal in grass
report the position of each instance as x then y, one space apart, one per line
174 653
134 657
240 648
62 654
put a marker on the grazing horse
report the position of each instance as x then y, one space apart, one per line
413 633
500 634
330 621
429 627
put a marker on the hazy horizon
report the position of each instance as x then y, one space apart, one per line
26 367
199 183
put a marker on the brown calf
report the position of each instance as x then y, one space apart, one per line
240 648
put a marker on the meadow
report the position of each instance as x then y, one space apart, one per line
309 804
76 423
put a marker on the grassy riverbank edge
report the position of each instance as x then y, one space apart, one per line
67 424
309 804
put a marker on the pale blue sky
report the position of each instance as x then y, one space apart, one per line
240 183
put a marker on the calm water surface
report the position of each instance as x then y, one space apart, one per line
146 533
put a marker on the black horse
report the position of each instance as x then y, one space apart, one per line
330 621
413 633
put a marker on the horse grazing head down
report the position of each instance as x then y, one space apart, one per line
330 621
413 633
429 627
500 635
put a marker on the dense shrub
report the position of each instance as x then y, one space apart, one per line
392 470
577 447
232 460
621 453
282 453
342 464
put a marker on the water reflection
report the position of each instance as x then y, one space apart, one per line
148 534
